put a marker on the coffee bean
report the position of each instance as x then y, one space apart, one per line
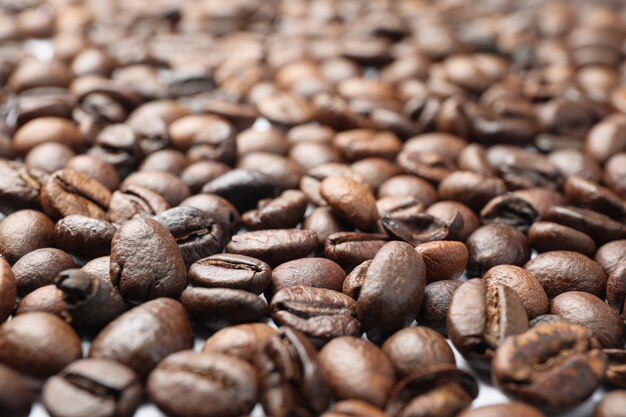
548 319
572 162
38 345
496 244
588 194
283 212
16 398
105 385
8 290
590 311
219 209
286 109
417 228
99 170
437 297
46 129
548 236
255 140
47 299
243 188
291 378
134 202
444 260
23 232
165 160
84 236
118 145
19 187
502 410
392 291
481 316
606 138
416 348
562 271
472 189
312 272
352 201
169 186
473 158
350 249
243 341
143 336
431 166
354 408
231 271
309 155
201 172
611 405
449 210
48 157
146 262
375 171
324 222
39 267
613 175
285 172
274 246
357 369
185 382
509 209
599 227
542 199
409 185
443 390
609 255
616 287
364 143
521 281
216 308
537 366
522 168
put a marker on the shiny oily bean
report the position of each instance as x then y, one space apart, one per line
599 227
588 194
352 201
219 209
521 281
19 187
47 299
39 267
169 186
549 236
23 232
609 255
274 246
471 189
243 188
242 340
324 222
496 244
444 260
312 272
437 297
16 398
84 236
231 271
8 290
509 209
447 211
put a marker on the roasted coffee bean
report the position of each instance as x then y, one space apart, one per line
522 168
417 228
201 172
166 160
437 297
133 202
609 255
291 378
537 366
309 155
285 172
416 348
16 398
46 129
503 410
521 281
88 384
357 369
613 175
19 187
431 166
274 246
548 236
219 209
448 211
8 290
23 232
353 202
612 405
39 267
169 186
354 408
48 157
243 341
243 188
562 271
588 194
542 199
231 271
444 260
472 189
411 186
312 272
441 390
146 262
481 316
216 308
143 336
599 227
319 313
375 171
256 140
118 145
197 235
509 209
616 287
324 222
590 311
364 143
283 212
185 382
496 244
616 368
548 319
311 183
99 170
606 138
84 236
392 291
38 345
47 299
286 109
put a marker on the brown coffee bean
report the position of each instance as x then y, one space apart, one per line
324 222
285 211
590 311
243 341
39 267
357 369
375 171
309 155
23 232
542 199
447 211
416 348
408 185
207 137
48 157
481 316
8 290
170 187
19 187
16 399
537 366
99 170
472 189
312 272
84 236
437 297
285 172
588 194
571 162
599 227
219 209
46 129
522 168
354 408
256 140
614 174
118 145
562 271
496 244
135 202
503 410
609 255
86 384
392 290
72 192
606 138
417 228
509 209
474 158
352 201
286 109
616 287
38 345
274 246
548 236
47 299
444 260
185 382
291 378
612 405
143 336
231 271
243 188
521 281
202 172
350 249
365 143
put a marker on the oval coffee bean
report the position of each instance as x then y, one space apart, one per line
357 369
84 236
599 227
447 211
283 212
616 287
351 200
243 188
92 384
143 336
39 267
8 290
23 232
509 209
19 187
16 398
609 255
350 249
548 236
437 297
38 345
243 341
312 272
185 383
553 366
47 299
220 210
274 246
135 201
496 244
146 262
231 271
562 271
169 186
443 259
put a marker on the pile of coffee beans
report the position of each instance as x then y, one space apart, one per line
307 208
